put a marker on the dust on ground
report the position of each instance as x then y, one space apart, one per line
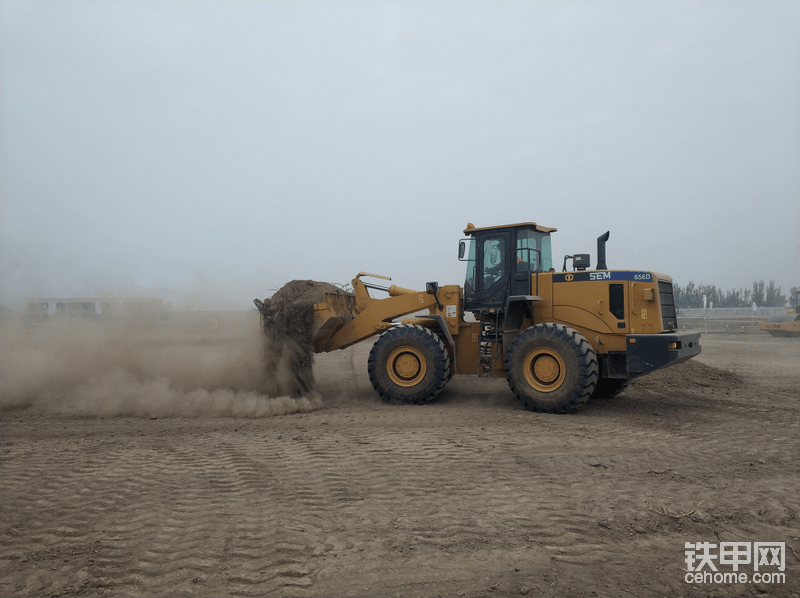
191 364
470 495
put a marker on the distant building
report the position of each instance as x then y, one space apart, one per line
93 308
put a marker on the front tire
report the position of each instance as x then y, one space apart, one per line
551 368
408 364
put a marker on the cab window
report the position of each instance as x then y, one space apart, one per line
494 267
533 252
545 252
527 253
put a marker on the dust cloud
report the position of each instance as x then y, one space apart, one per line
190 364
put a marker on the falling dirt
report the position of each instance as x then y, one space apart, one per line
288 319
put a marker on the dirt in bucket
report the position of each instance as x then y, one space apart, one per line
288 319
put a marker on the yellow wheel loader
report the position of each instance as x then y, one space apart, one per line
559 338
785 325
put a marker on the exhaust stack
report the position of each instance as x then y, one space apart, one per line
601 250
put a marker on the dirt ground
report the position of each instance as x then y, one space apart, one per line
468 496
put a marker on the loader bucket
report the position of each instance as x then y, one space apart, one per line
330 316
297 321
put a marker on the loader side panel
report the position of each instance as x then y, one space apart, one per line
467 349
542 285
593 300
606 305
645 315
582 318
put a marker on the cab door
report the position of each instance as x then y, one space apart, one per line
525 261
494 272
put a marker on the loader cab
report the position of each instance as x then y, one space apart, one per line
501 261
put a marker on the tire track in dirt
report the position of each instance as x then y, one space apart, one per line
365 498
410 479
161 517
263 550
256 513
165 516
651 465
265 510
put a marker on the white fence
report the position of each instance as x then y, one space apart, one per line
761 313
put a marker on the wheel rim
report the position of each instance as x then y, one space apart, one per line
544 369
406 366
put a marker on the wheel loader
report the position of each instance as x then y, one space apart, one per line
785 325
559 338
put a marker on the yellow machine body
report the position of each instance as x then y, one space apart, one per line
584 305
618 324
790 328
786 325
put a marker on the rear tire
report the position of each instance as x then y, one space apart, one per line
408 364
551 368
608 388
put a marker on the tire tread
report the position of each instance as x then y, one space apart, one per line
440 364
587 368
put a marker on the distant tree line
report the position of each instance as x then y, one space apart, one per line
763 296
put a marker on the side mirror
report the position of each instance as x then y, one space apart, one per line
461 248
432 288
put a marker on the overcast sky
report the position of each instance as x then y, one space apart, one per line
225 148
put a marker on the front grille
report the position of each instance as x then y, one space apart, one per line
669 320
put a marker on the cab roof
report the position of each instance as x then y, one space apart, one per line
471 229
